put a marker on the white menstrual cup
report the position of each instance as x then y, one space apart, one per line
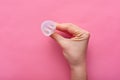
48 27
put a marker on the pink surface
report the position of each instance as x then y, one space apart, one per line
26 54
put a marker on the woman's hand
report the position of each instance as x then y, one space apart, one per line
74 48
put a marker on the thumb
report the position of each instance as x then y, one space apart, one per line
57 37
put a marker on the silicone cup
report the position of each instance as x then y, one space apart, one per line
48 27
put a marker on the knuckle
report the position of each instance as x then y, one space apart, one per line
87 34
69 24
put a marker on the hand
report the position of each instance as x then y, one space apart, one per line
74 49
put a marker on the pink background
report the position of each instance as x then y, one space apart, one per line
26 54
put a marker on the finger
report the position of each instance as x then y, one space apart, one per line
57 37
70 28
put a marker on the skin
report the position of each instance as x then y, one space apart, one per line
74 48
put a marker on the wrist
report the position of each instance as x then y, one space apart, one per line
79 65
81 62
79 72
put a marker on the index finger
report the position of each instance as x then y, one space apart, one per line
70 28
